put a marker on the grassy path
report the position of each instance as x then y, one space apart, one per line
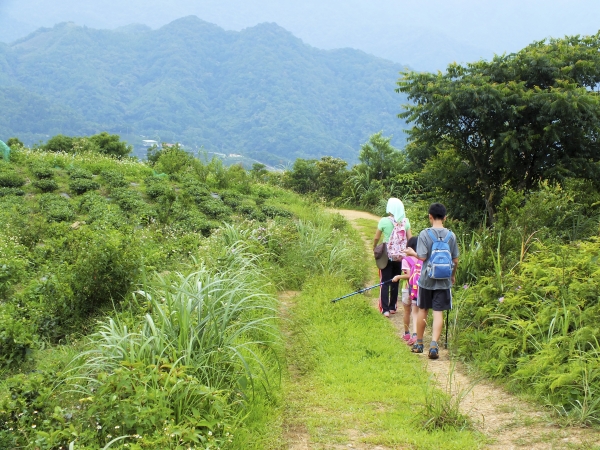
507 421
350 383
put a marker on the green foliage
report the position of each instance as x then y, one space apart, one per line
42 171
82 185
55 208
114 179
537 326
59 143
16 337
11 180
45 185
110 144
514 120
14 142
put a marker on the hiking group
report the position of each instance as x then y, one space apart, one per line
427 266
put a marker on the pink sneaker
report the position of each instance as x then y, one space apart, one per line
392 311
406 337
412 341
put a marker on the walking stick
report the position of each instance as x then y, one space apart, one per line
360 291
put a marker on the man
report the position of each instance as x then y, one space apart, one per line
434 291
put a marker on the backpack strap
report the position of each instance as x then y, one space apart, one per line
448 236
432 236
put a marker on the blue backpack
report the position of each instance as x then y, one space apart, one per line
439 266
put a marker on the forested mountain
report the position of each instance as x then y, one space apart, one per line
260 92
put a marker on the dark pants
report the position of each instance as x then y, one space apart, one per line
388 293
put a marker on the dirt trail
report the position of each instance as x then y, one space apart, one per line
508 422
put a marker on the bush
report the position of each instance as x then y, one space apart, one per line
45 185
55 208
6 191
82 185
42 172
114 179
76 173
274 211
215 209
11 180
157 187
16 338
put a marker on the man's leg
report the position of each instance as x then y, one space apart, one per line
438 323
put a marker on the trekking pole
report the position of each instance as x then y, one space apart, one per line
446 341
360 291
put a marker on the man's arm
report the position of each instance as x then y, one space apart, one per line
410 252
454 267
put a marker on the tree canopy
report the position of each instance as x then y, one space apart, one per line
511 121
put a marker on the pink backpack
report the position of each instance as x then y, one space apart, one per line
397 244
413 276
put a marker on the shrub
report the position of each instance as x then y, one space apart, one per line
6 191
110 144
82 185
42 172
16 338
11 180
78 173
114 179
157 187
55 208
215 209
274 211
45 185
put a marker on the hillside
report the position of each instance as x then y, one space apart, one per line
260 92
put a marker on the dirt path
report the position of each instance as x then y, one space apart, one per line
508 422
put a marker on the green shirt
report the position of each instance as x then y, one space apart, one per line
387 226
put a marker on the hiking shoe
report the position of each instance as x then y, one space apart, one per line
386 314
412 341
392 311
417 348
406 337
433 353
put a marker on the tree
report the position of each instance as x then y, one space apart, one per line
332 174
303 178
379 158
514 120
110 144
59 143
14 142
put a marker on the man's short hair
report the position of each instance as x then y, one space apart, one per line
437 211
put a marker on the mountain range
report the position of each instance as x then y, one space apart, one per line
260 92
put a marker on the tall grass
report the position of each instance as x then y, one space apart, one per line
206 342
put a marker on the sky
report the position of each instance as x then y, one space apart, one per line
425 34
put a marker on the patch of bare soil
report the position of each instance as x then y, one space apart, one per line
509 422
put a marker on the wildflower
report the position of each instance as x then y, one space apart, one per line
210 433
33 426
501 299
465 286
99 427
117 427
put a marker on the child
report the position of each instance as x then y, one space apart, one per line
410 267
434 293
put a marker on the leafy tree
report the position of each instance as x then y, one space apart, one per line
332 174
379 158
303 178
59 143
110 144
513 120
14 142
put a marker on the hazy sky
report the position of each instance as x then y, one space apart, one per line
427 34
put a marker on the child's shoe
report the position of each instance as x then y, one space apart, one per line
406 337
412 340
386 314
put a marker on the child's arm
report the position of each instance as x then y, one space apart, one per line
404 276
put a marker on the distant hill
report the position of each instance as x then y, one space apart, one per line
260 92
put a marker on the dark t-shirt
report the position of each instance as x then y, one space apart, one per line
424 245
